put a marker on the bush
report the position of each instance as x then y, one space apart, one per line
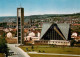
77 45
43 51
29 44
27 49
32 50
32 47
39 51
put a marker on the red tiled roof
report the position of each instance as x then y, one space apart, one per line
25 30
76 24
78 37
14 29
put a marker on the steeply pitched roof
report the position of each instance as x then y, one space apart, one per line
64 29
45 27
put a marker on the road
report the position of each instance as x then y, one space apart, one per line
17 51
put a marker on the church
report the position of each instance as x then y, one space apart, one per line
56 34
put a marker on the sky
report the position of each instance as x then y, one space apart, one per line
39 7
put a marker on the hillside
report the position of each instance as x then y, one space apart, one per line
27 18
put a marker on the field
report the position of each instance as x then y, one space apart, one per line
51 49
59 50
2 55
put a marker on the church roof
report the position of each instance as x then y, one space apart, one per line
64 28
45 27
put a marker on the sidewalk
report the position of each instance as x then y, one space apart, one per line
53 54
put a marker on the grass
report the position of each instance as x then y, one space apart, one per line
36 55
51 49
2 55
60 50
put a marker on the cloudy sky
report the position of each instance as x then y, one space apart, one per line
34 7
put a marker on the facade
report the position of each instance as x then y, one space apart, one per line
53 42
57 34
20 25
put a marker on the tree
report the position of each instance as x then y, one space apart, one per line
3 46
73 42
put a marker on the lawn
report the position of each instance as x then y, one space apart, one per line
35 55
2 55
60 50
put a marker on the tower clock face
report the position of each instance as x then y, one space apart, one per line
19 12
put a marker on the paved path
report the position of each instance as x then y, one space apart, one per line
53 54
17 51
